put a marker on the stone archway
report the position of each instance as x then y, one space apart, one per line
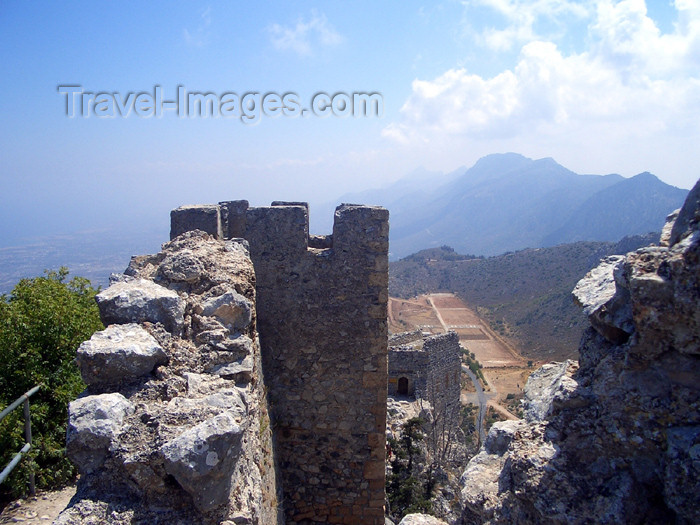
402 388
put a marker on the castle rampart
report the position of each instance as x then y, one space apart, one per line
322 323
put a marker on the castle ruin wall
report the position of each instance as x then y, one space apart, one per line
322 322
431 367
444 370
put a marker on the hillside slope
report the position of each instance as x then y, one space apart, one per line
630 205
526 295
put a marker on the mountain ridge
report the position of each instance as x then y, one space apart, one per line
507 202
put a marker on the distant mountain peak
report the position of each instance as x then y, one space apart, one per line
646 176
507 201
500 161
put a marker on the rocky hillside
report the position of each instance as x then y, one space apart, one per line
524 295
173 426
614 438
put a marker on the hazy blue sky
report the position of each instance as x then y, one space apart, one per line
601 86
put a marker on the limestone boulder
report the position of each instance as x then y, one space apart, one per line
201 458
230 308
93 424
239 371
421 519
500 435
480 482
140 300
688 216
182 266
548 386
117 353
604 297
665 238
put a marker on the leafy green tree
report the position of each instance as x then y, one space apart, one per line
42 322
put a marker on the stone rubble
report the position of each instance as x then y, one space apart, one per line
173 427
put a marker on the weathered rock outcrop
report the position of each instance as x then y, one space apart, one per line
614 438
173 427
421 519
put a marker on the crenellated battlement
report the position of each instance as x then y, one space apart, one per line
284 226
322 323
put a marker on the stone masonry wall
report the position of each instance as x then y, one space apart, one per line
405 337
322 322
432 367
411 363
443 382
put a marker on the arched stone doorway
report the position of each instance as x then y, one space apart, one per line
403 386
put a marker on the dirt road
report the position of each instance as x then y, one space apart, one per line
482 403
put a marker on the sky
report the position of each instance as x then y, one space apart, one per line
601 86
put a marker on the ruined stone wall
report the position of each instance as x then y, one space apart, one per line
322 320
431 365
405 337
173 426
412 364
444 369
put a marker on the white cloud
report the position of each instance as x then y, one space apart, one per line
526 19
199 37
633 85
305 35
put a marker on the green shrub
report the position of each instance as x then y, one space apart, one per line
42 322
408 489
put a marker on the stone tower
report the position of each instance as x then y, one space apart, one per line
322 322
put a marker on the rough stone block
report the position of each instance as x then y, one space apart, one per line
232 309
183 266
93 423
200 459
278 231
204 217
374 470
603 295
119 352
688 216
360 229
140 300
